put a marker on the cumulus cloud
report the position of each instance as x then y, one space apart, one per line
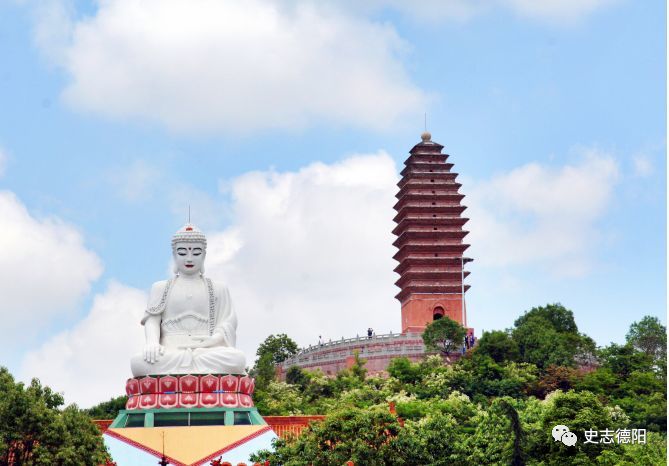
311 251
90 362
45 268
542 215
222 66
209 65
53 27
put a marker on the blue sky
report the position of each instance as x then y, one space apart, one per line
284 125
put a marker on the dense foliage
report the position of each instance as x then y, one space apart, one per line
444 335
495 405
34 430
108 409
274 350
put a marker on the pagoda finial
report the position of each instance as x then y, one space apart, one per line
426 137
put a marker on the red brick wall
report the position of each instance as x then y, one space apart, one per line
418 311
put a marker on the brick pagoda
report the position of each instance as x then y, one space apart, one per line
430 239
430 243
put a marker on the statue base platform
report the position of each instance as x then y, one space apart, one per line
190 420
190 391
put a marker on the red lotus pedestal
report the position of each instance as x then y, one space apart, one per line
190 391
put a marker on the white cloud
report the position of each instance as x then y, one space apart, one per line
540 215
210 65
222 66
53 26
91 362
310 252
557 11
44 269
643 165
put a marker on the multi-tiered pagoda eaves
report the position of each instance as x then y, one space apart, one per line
430 239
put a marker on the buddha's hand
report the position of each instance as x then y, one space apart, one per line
208 342
152 352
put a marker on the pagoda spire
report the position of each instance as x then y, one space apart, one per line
430 239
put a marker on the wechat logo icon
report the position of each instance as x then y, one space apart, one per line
562 434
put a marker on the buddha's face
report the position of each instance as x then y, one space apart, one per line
189 257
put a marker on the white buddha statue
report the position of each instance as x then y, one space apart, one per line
189 323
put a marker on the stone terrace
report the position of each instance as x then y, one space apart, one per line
334 356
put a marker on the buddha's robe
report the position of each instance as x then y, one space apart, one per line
190 313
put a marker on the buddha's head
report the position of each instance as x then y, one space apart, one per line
189 248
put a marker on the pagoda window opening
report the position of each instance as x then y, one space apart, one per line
437 313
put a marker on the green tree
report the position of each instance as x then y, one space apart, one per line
558 317
650 336
653 453
548 336
498 345
624 359
437 440
483 377
108 409
497 437
296 376
280 399
274 350
517 455
34 431
601 382
278 347
364 436
580 411
444 335
358 368
628 378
